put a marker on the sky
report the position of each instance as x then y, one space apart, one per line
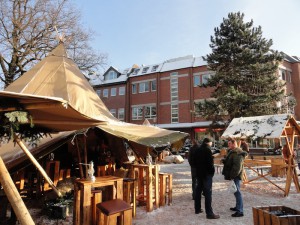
152 31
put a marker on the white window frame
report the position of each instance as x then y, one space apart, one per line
105 93
144 87
174 113
198 83
122 90
204 78
134 88
145 70
121 114
137 113
98 91
152 85
150 112
113 112
113 91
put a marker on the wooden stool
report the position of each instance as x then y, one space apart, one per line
109 211
129 193
95 199
165 188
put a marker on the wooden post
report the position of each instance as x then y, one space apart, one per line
85 156
14 196
36 163
79 159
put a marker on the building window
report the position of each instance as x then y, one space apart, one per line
153 85
145 70
113 112
174 74
98 91
111 75
121 90
137 113
196 80
174 113
105 93
121 114
143 87
174 89
136 71
113 92
154 68
150 112
134 88
205 78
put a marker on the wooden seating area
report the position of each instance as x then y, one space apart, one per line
129 193
114 212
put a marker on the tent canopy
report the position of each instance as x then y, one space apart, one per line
56 94
149 136
269 126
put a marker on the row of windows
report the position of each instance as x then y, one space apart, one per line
113 92
143 87
121 113
141 112
201 79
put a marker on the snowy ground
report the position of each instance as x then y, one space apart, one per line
260 193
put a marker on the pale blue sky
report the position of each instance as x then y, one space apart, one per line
152 31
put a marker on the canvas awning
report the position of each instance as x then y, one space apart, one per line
149 136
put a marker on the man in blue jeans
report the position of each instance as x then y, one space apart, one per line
233 170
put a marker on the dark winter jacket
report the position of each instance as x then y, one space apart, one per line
204 161
234 164
191 156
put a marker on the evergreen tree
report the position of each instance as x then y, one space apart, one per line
246 78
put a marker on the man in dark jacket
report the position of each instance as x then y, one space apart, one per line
205 170
233 170
191 159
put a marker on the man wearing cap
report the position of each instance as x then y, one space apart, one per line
205 171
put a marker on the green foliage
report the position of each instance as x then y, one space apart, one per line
245 80
19 123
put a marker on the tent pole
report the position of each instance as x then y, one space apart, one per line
85 156
13 196
79 159
36 163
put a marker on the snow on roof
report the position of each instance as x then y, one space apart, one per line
199 62
270 126
178 63
143 70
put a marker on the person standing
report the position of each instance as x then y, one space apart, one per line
205 170
191 161
233 170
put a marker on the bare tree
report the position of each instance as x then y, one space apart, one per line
28 33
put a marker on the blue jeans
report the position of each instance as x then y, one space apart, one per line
205 185
238 196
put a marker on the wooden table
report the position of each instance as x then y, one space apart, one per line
145 189
82 209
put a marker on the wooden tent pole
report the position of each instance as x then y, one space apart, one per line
79 159
85 156
36 163
14 197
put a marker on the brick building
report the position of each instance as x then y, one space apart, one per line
165 93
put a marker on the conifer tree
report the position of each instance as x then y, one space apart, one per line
245 72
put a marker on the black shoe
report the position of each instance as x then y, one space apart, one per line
213 216
237 214
200 211
233 209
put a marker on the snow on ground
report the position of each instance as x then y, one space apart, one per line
260 193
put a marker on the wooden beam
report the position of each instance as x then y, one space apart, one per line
14 197
36 163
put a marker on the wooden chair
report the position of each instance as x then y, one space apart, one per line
129 193
109 212
165 188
